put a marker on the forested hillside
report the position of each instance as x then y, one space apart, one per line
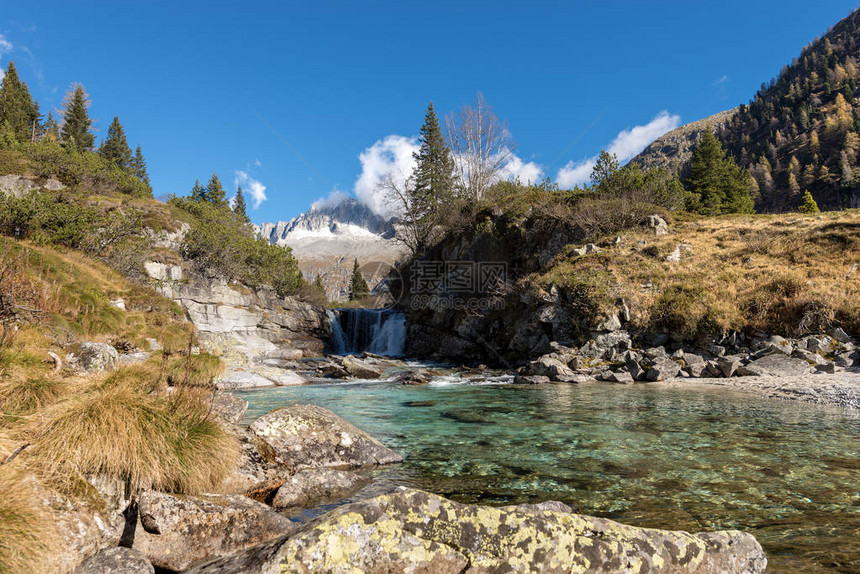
802 129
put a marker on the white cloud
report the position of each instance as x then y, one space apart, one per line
527 172
252 187
626 145
393 155
722 80
334 198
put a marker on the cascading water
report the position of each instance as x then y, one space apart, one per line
379 331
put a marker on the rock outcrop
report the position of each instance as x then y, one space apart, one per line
308 436
176 532
116 560
415 531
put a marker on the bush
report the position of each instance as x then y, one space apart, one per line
221 244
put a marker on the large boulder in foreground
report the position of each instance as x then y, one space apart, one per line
176 532
414 531
116 560
308 436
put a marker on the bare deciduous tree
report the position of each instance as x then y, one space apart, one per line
481 145
416 229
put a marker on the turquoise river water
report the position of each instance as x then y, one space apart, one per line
787 472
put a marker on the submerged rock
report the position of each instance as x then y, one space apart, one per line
414 531
308 436
416 377
177 531
315 485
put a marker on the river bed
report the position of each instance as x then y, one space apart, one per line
689 459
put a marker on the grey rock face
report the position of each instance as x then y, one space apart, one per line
415 531
177 532
550 367
657 224
316 485
117 560
307 436
775 365
229 407
662 369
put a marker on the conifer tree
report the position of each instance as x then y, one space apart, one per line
115 148
239 206
198 192
138 166
16 105
808 204
76 121
319 286
716 182
215 193
358 288
51 129
434 173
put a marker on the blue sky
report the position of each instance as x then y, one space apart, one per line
310 98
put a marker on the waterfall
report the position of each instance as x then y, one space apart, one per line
379 331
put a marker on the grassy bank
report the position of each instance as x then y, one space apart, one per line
788 274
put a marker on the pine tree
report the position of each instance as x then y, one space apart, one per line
434 172
358 288
319 287
198 192
115 148
215 193
239 207
604 168
138 166
808 204
76 121
17 106
716 181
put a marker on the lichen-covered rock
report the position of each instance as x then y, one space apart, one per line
116 560
176 532
414 531
361 369
93 357
308 436
314 485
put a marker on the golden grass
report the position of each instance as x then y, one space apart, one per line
789 274
21 395
26 527
164 441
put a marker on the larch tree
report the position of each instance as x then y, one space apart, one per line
481 145
115 148
17 106
76 120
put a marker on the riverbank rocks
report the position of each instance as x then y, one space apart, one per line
361 369
229 407
416 377
308 436
317 485
775 365
662 369
117 560
553 368
175 532
415 531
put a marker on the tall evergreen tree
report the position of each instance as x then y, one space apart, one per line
716 183
51 129
358 288
17 106
215 193
198 192
76 121
138 166
239 207
434 173
115 148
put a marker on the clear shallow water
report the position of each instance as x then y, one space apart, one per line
787 472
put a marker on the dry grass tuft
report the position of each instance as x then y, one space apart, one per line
21 395
169 442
